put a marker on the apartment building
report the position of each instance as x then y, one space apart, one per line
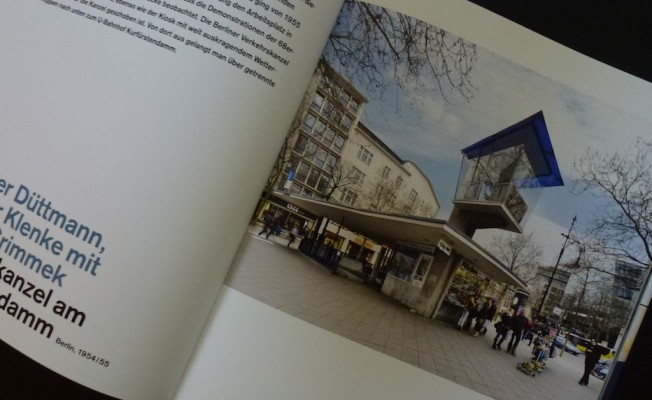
330 155
382 181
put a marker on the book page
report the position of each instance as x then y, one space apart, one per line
302 322
136 136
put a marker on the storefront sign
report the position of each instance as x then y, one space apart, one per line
417 246
291 207
445 246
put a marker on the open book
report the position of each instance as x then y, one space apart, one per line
137 137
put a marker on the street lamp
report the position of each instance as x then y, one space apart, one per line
554 270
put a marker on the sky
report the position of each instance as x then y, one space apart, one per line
431 132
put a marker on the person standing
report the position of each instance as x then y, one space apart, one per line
519 323
485 315
468 307
293 234
268 220
474 316
591 358
502 327
488 316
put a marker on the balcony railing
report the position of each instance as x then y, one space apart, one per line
506 194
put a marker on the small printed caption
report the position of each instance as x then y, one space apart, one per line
253 36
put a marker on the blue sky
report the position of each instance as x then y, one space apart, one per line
431 133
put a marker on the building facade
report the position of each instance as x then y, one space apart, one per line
382 181
329 155
628 281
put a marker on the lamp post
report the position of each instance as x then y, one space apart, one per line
554 270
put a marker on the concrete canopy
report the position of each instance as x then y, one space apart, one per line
388 228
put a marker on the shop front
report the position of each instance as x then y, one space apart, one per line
436 281
288 215
425 264
416 275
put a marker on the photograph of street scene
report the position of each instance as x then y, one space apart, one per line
449 208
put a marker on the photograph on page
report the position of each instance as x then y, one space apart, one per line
127 130
441 204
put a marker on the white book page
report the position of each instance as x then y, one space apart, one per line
252 351
136 136
271 355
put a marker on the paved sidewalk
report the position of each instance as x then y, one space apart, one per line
284 278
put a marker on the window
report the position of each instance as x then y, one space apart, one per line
308 123
296 189
329 135
302 172
311 149
365 155
336 117
353 105
328 109
339 143
348 197
412 197
313 178
317 102
345 123
300 145
357 176
331 161
421 271
319 129
386 171
323 183
320 157
399 181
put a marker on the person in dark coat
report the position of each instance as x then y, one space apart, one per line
591 358
268 221
519 323
485 316
474 315
466 311
502 327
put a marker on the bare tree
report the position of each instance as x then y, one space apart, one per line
568 305
623 225
616 316
425 209
599 305
382 193
520 254
343 176
369 40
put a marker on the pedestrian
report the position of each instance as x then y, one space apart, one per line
519 323
502 327
591 358
489 312
473 315
468 307
293 234
277 227
268 220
